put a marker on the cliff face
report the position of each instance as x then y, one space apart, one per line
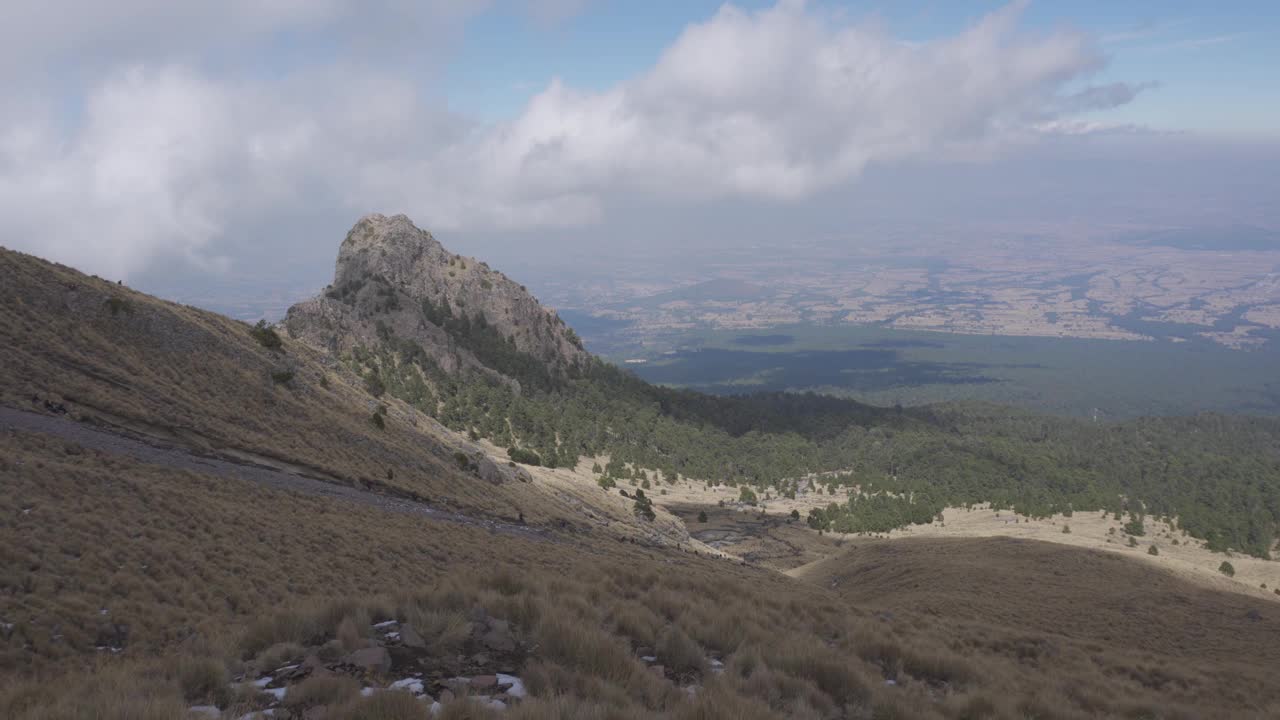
394 280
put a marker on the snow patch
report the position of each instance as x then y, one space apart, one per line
517 685
413 685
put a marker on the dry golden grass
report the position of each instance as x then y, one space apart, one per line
202 380
215 578
165 552
763 535
587 609
1177 552
1061 592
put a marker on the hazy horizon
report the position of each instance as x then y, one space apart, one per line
226 170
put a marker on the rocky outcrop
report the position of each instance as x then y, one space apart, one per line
393 280
396 658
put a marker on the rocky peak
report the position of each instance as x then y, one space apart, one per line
394 279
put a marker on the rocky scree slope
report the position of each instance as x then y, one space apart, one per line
394 280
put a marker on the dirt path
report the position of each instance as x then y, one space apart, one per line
179 458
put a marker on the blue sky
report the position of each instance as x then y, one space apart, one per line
222 140
1214 63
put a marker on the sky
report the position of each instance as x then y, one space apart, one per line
232 144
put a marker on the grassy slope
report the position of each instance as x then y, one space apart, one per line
207 573
216 571
1069 592
199 379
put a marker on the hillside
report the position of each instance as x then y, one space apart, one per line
406 317
1060 592
103 354
329 518
205 581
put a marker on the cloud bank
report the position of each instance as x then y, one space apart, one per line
169 146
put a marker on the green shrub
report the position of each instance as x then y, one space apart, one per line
1135 526
747 495
1227 569
524 456
1153 550
373 385
643 506
266 336
377 421
281 377
702 516
119 305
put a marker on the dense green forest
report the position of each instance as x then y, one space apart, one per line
1218 475
1115 379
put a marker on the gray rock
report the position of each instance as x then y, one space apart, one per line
374 660
499 638
411 638
387 267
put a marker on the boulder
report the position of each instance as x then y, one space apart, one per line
499 638
411 638
374 660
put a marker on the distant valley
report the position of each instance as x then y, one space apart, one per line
1117 323
421 493
1214 285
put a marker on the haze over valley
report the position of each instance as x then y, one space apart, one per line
553 360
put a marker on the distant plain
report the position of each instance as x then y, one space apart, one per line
1073 376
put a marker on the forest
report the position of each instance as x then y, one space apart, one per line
1218 475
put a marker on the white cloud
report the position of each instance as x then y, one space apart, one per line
776 104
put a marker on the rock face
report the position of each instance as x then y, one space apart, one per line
394 282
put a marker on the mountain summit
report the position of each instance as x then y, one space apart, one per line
396 286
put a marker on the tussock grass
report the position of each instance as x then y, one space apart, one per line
394 705
679 653
322 690
196 378
222 577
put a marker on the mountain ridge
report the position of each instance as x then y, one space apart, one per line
392 278
190 584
